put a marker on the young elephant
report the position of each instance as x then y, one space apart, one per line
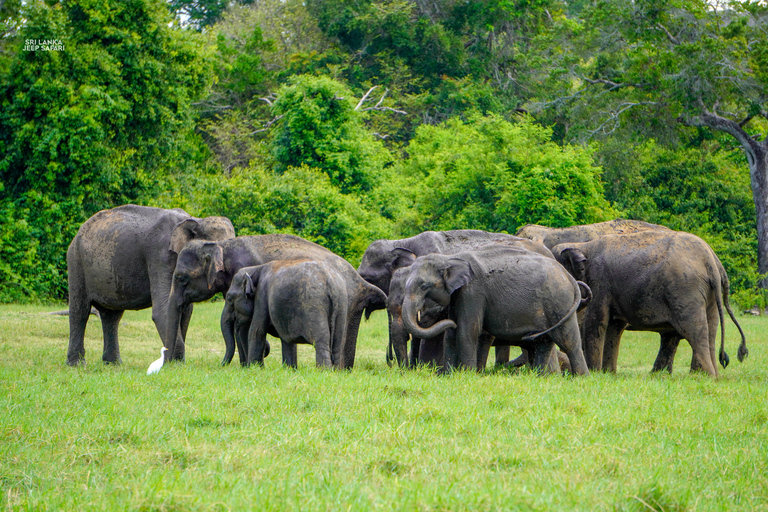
512 294
236 316
664 281
299 301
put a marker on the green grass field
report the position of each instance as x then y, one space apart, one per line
201 437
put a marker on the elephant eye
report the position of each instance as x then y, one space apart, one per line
424 286
182 279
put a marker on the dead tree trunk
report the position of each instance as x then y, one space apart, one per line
757 158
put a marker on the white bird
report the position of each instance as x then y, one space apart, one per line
156 365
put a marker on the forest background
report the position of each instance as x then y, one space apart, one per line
344 121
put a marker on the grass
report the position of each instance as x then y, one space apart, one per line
201 437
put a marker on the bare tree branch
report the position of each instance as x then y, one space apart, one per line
378 104
365 97
267 125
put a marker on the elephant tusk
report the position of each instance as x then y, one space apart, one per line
418 316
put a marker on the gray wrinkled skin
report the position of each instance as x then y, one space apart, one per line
515 295
205 269
299 301
383 258
664 281
124 258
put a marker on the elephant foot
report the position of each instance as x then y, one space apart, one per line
117 361
80 361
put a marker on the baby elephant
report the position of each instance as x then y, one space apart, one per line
515 295
298 301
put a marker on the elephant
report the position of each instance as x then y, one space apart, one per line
665 281
430 351
123 258
584 233
298 301
550 237
515 295
383 257
204 269
236 317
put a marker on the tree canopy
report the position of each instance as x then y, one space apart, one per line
345 121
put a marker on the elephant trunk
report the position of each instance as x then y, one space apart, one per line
398 339
228 332
410 318
175 307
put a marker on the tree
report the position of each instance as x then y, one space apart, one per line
95 119
317 125
487 173
661 67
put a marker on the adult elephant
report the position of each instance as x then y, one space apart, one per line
204 269
383 257
550 237
124 258
660 280
514 295
669 340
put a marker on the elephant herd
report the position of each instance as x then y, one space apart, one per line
452 294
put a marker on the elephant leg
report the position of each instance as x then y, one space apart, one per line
667 350
322 345
241 341
694 329
290 354
545 356
595 325
611 345
414 356
431 351
467 336
110 320
78 319
484 343
568 338
502 354
451 351
521 360
713 322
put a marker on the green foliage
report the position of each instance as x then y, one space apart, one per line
491 174
319 127
703 190
87 126
301 201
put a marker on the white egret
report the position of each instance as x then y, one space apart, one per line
155 366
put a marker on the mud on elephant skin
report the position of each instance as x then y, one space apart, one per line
515 295
207 268
124 258
664 281
550 237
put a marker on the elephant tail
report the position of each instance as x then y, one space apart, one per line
390 354
726 289
576 303
723 356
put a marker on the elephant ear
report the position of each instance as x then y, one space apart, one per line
250 284
184 232
457 274
214 263
575 262
403 258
